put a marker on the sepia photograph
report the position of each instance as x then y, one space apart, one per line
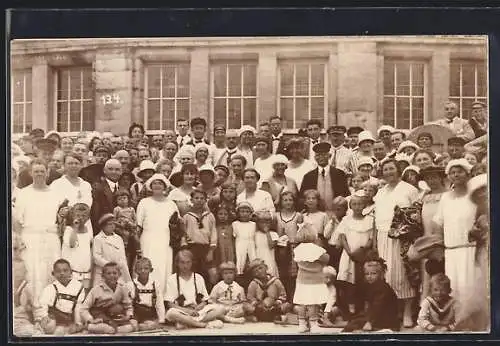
292 185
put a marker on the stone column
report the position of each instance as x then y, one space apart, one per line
357 84
41 87
199 85
266 88
113 77
439 83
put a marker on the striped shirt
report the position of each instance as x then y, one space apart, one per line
352 166
340 157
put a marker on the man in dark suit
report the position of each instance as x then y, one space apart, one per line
329 181
278 140
103 192
44 149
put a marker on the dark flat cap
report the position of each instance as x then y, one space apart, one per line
432 170
101 149
354 130
337 129
224 168
456 141
322 147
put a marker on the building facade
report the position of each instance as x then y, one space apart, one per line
106 84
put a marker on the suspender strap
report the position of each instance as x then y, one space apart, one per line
76 300
178 285
56 295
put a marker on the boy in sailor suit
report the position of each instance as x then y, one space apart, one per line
147 300
60 302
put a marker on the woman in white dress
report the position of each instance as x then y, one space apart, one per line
279 182
298 166
36 211
395 193
265 159
182 194
153 215
456 215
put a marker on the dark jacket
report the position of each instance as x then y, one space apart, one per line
338 181
103 202
281 146
476 127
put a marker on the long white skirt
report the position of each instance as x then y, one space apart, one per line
460 268
310 294
155 246
42 250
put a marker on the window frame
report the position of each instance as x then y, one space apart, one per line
163 64
69 100
227 97
23 103
459 99
309 97
425 96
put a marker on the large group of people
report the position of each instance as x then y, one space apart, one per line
348 229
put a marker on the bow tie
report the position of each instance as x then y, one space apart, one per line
198 141
315 141
277 138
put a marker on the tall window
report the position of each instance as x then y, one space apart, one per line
404 93
167 95
302 93
234 94
468 83
75 99
21 101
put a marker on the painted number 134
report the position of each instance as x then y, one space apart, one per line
110 99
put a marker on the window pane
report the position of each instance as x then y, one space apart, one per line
168 81
301 112
388 111
62 116
183 81
468 80
389 78
182 110
75 80
403 78
153 115
29 87
220 112
455 79
249 112
88 85
74 116
317 79
286 112
417 112
250 80
482 80
234 116
302 79
154 76
168 114
62 85
318 108
219 80
235 80
403 113
29 118
18 85
286 80
417 79
17 118
467 108
88 119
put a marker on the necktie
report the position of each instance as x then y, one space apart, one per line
229 154
334 158
230 291
323 173
114 188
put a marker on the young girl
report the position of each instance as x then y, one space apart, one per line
127 225
331 311
227 199
265 240
356 181
355 236
381 302
370 189
312 215
244 233
225 251
438 311
411 175
311 290
201 234
287 219
187 297
76 245
330 235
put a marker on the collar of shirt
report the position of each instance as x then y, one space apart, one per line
278 137
111 184
314 141
148 284
326 169
72 284
225 286
105 287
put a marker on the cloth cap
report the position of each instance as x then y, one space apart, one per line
46 144
255 264
232 133
458 163
156 176
103 221
407 144
224 168
206 168
477 182
432 170
227 266
243 205
337 129
385 128
101 149
479 103
456 141
322 147
219 127
146 165
365 136
246 128
365 161
412 168
354 130
280 158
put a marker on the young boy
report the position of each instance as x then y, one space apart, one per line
60 302
147 299
201 233
439 310
108 306
187 298
230 295
331 311
198 130
109 247
266 294
381 302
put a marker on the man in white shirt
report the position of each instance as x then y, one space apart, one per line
218 147
313 128
259 200
459 126
183 135
341 155
231 149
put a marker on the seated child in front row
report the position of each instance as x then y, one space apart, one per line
266 294
147 299
108 307
381 303
187 297
331 311
229 295
438 311
60 302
